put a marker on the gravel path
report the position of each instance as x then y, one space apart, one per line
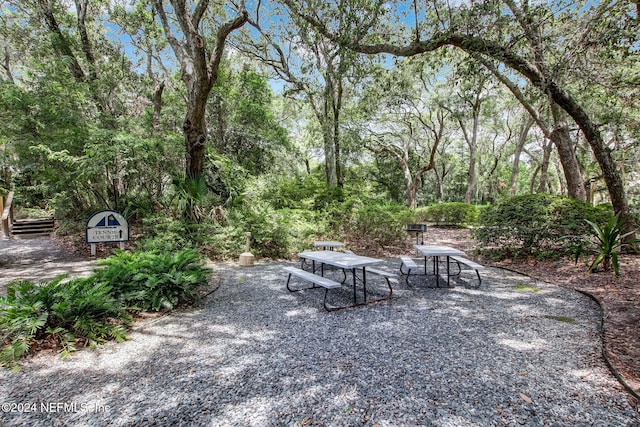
514 352
38 259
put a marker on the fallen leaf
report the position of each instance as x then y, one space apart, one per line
585 374
526 398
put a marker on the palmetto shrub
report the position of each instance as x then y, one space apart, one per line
153 281
67 313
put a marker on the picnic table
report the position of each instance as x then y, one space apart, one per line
346 262
437 251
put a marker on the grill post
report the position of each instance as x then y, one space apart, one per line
419 230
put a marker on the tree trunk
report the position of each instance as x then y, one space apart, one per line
199 68
194 125
81 11
411 183
195 138
439 183
336 149
412 194
571 169
534 176
471 175
157 107
522 139
338 167
329 154
562 182
330 123
544 186
335 85
471 141
219 125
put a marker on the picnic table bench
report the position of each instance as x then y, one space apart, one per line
316 281
472 265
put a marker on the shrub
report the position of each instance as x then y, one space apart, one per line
383 224
303 227
308 192
153 281
165 234
81 310
543 225
270 234
452 213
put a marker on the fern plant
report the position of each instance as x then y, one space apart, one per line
609 240
78 311
154 281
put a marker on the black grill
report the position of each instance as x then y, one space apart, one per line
419 229
416 228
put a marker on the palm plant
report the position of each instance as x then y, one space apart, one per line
191 194
610 240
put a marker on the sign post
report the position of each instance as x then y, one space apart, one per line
105 227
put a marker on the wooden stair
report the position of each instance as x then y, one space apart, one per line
32 227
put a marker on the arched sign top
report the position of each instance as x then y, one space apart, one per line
107 226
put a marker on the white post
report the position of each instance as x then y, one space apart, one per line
246 258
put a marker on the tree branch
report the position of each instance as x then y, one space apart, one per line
178 48
60 43
201 8
515 90
223 32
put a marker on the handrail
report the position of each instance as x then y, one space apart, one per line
7 215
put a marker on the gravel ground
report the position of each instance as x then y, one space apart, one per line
514 352
38 259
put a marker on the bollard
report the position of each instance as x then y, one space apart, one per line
246 258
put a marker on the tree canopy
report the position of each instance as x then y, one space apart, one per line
105 103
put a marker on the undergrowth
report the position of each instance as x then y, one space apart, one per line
87 312
81 311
